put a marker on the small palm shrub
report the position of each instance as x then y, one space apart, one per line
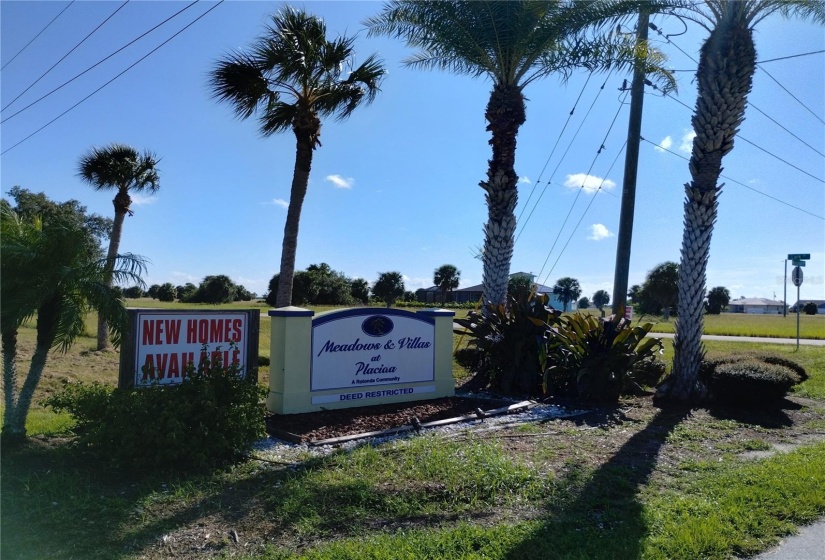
593 358
750 378
511 343
213 417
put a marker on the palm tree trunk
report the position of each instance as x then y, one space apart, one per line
14 426
725 75
505 114
121 209
10 393
306 133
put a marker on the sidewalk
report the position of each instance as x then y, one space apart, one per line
802 341
808 544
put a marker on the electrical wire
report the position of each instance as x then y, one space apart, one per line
99 62
43 75
578 193
738 182
817 117
113 79
541 173
570 145
38 35
589 204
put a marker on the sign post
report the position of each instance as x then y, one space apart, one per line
797 278
798 260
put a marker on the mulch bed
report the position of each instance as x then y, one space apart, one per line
316 426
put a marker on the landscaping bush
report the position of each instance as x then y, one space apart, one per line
593 358
750 378
647 372
511 341
213 417
810 308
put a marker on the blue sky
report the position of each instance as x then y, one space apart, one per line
395 187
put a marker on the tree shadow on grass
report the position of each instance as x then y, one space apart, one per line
601 516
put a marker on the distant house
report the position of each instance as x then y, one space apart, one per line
758 306
472 294
820 305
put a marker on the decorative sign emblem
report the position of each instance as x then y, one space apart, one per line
377 325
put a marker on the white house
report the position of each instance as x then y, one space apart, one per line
759 306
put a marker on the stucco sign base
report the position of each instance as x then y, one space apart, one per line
358 357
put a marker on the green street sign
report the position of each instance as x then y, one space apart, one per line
799 257
798 263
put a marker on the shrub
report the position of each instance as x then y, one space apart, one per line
749 378
213 417
647 372
751 382
592 357
511 341
810 308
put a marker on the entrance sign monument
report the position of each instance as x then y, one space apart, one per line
358 357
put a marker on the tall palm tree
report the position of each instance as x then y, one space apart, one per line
727 64
49 271
567 289
446 277
291 77
123 169
513 43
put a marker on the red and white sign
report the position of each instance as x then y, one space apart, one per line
165 343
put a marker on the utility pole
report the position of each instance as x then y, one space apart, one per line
785 297
631 166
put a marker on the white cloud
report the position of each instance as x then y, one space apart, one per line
140 200
413 284
687 142
599 232
280 202
525 180
590 183
340 182
664 144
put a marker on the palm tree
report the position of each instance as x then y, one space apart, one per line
389 287
567 289
120 168
446 277
727 63
600 299
49 271
291 77
513 43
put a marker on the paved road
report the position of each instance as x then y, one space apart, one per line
802 341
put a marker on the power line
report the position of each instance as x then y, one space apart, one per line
790 56
116 77
43 75
572 233
101 61
570 145
598 152
740 137
38 35
817 117
738 182
569 116
782 160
